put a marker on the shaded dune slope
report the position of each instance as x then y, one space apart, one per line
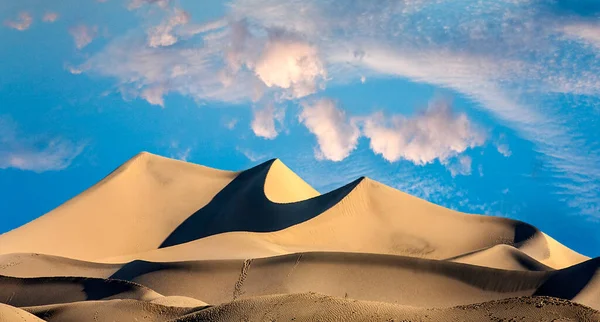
109 311
360 276
502 257
243 206
21 292
160 238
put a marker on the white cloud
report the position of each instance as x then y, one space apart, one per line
584 31
504 149
34 154
50 17
83 35
290 64
263 123
162 35
23 22
459 166
336 135
154 95
434 134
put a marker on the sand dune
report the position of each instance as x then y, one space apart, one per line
314 307
160 238
131 210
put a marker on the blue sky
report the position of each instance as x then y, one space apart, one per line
484 108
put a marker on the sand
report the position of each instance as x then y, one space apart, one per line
165 240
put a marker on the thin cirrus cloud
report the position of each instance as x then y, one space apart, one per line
163 34
585 32
34 154
21 23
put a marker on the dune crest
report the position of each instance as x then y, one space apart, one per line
175 241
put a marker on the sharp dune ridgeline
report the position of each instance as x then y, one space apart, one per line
165 240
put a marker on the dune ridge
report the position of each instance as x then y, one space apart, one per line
176 241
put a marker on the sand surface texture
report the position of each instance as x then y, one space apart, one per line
164 240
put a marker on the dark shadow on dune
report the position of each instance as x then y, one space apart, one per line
243 206
567 283
99 289
524 232
136 268
53 290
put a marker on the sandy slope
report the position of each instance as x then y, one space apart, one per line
314 307
160 238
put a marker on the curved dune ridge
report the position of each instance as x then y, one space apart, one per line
165 240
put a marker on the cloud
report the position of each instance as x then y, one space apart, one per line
434 134
584 31
230 125
23 22
251 155
459 166
50 17
263 123
154 95
290 64
34 154
162 35
504 149
192 70
182 155
336 135
512 60
136 4
83 35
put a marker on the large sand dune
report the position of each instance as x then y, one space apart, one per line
164 240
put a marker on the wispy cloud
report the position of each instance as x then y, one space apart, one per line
162 35
50 17
154 95
231 124
34 154
23 22
336 134
83 35
252 155
459 166
586 32
136 4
